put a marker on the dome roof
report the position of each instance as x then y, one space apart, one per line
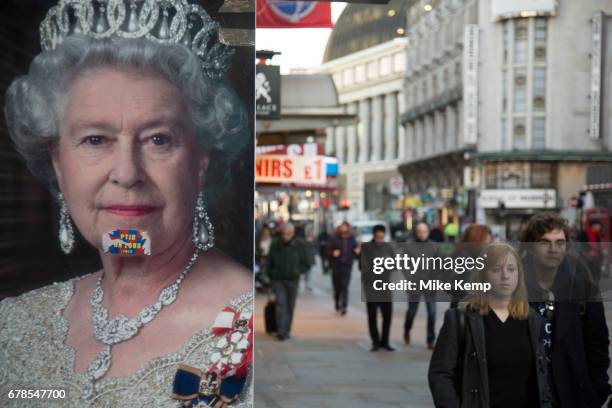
362 26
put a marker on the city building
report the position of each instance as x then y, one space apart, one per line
365 55
507 105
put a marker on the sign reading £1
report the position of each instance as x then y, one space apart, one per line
278 168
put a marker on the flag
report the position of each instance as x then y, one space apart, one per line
293 14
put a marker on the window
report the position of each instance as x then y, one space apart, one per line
399 62
539 88
523 71
347 76
360 73
372 69
385 66
541 175
538 134
519 133
520 90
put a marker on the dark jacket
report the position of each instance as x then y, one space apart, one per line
369 251
347 246
451 369
580 338
287 260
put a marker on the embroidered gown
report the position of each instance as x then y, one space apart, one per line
33 356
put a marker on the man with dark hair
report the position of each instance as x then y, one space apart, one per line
378 248
575 333
344 248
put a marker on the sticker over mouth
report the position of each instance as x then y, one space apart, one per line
126 242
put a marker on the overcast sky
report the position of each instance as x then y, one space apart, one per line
300 47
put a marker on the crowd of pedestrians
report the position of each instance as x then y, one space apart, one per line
538 338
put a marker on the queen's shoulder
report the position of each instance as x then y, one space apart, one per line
36 303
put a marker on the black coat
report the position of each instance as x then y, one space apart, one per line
461 379
580 338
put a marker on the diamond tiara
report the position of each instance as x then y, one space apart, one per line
162 21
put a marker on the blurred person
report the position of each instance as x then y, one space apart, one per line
262 249
470 245
451 231
344 247
286 261
324 239
575 333
379 248
436 234
311 251
592 247
489 354
424 247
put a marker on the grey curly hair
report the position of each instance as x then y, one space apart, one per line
35 101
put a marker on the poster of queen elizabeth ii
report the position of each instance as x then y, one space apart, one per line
135 120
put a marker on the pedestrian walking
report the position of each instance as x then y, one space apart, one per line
344 248
287 259
312 248
489 354
324 243
421 246
379 248
562 291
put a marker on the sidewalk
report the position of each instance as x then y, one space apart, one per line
327 362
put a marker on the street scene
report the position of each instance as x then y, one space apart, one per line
327 363
481 125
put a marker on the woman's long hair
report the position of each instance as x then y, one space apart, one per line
494 254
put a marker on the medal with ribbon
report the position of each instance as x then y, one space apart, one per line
231 357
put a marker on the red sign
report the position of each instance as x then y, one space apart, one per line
271 168
293 14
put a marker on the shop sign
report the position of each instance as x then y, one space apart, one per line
518 198
268 92
276 168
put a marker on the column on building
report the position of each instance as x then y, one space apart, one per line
428 135
330 140
401 142
351 136
451 127
390 126
410 142
419 148
402 134
341 144
440 142
459 124
377 128
364 130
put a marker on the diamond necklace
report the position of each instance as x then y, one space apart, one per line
120 328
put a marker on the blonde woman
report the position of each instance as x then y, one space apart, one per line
488 353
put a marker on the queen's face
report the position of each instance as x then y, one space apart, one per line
127 157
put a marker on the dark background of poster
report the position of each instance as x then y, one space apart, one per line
30 255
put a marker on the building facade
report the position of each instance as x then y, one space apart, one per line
507 104
366 57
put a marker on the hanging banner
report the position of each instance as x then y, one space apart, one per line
470 84
293 14
597 22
